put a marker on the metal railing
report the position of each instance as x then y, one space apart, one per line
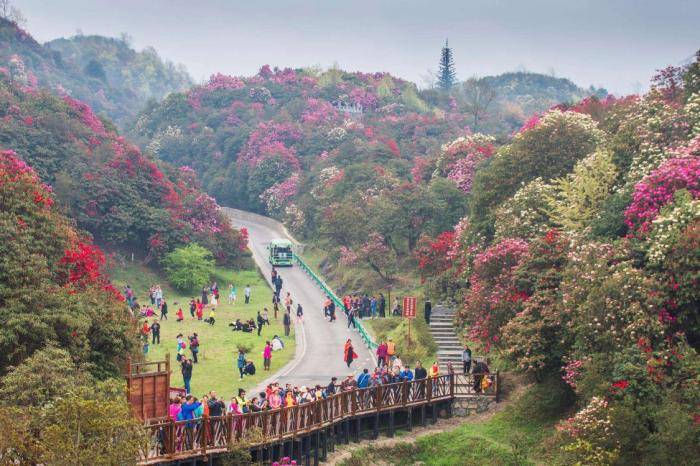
366 338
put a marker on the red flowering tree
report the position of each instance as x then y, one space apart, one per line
493 297
53 289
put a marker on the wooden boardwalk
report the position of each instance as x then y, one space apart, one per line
307 429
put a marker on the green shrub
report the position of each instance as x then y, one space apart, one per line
189 267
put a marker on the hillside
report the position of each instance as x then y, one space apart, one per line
535 92
102 181
105 73
501 104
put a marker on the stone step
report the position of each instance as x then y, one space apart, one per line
443 332
438 325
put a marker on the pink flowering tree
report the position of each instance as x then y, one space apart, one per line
657 190
458 160
277 196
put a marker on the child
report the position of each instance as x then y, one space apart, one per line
180 316
232 294
212 316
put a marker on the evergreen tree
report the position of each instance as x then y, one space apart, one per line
446 72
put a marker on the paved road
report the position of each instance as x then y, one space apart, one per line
319 343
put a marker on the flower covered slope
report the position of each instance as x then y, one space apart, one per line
120 196
54 290
579 261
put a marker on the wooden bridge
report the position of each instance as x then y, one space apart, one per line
308 431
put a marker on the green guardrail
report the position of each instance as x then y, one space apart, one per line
366 338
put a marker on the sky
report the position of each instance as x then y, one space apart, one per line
616 44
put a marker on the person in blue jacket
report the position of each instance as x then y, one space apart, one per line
363 379
406 374
241 362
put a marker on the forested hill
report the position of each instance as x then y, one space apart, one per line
106 73
521 94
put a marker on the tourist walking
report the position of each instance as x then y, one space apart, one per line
155 332
382 305
186 369
164 310
260 322
267 356
287 322
300 313
194 347
232 294
351 318
246 293
278 285
428 310
466 360
381 354
349 354
241 362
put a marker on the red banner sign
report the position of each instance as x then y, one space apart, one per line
409 307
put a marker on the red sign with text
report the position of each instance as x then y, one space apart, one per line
409 307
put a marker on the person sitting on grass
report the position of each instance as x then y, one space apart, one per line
249 368
277 343
236 326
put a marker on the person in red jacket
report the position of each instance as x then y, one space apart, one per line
349 354
382 354
179 314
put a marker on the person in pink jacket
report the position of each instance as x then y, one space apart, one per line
174 408
275 399
267 356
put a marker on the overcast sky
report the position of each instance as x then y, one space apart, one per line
612 43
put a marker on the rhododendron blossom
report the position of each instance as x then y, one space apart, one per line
278 194
658 188
268 140
86 115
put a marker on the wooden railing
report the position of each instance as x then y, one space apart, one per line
173 440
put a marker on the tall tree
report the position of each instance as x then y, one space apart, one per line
475 96
446 72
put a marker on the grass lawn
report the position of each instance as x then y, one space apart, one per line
516 436
216 369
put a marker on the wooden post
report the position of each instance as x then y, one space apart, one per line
170 449
404 393
496 386
409 419
205 433
391 423
429 389
317 446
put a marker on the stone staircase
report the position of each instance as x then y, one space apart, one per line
443 331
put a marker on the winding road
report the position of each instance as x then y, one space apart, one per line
319 350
